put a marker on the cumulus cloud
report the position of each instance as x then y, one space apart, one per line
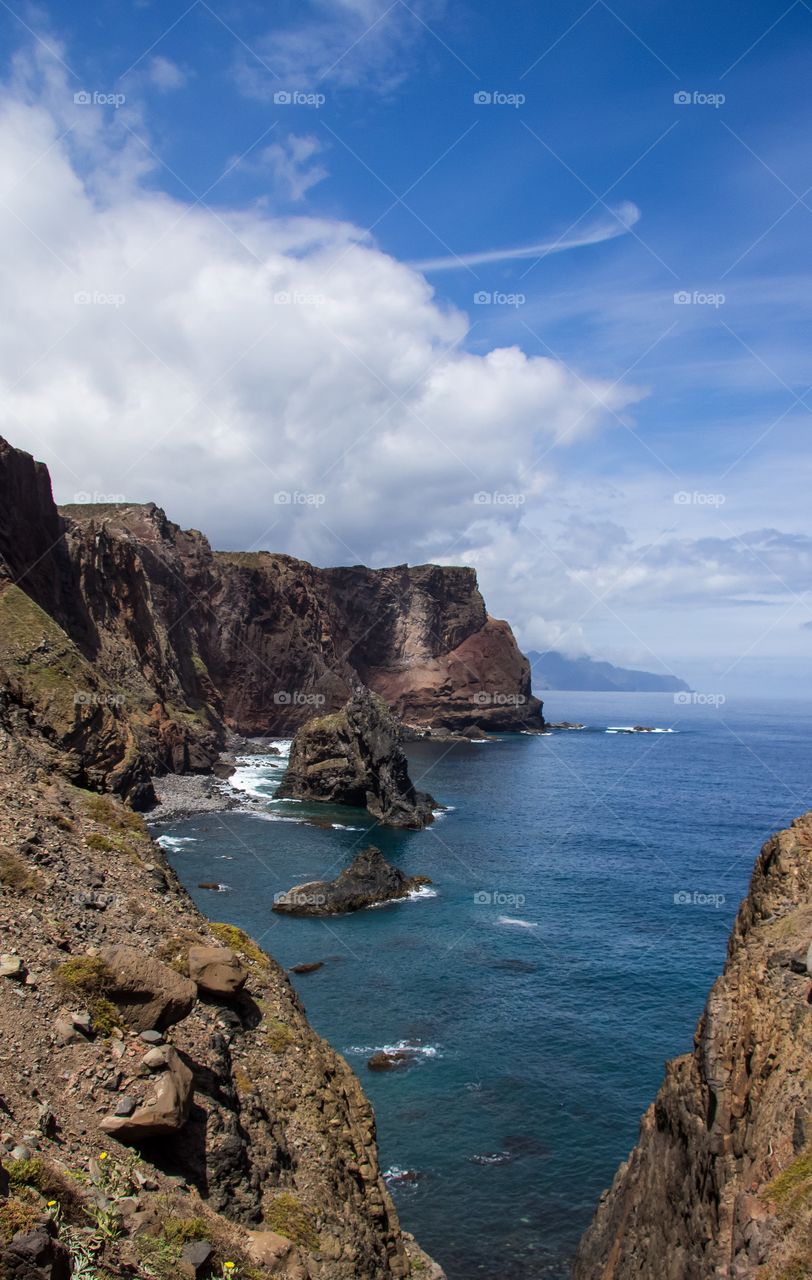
278 381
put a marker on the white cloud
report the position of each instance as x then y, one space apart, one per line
213 360
165 74
292 165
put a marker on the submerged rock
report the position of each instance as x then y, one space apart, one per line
366 882
354 757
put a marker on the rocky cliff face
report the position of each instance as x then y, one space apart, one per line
354 757
164 1097
167 643
720 1183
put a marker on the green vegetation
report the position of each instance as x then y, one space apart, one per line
15 875
287 1216
88 975
791 1188
112 813
17 1215
230 936
279 1035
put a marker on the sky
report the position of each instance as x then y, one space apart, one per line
366 281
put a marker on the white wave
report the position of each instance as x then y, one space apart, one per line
402 1046
629 728
422 891
175 843
220 888
516 923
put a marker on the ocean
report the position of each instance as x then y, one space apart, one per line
584 884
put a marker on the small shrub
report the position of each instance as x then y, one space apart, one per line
15 875
17 1215
105 1016
27 1173
88 975
232 937
279 1035
287 1216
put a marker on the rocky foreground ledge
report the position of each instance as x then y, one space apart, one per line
167 1108
719 1186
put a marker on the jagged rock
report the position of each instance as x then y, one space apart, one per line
390 1060
165 1113
149 994
354 757
217 971
310 967
366 882
700 1195
35 1255
195 1258
65 1032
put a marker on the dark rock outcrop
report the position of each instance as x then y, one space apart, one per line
354 757
720 1182
136 647
368 881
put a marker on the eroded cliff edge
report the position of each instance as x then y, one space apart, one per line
136 646
266 1154
720 1183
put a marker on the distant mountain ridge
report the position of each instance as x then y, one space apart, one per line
553 670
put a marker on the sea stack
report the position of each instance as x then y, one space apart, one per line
354 757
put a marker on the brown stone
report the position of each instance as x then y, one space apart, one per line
165 1112
148 993
217 971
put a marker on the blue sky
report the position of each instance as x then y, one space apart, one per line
297 238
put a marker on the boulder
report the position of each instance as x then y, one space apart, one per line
195 1259
390 1060
12 967
354 757
275 1253
148 993
368 881
35 1255
217 971
165 1112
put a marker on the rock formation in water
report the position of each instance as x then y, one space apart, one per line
354 757
135 646
720 1182
167 1108
368 881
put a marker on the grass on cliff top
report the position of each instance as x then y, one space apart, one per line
243 559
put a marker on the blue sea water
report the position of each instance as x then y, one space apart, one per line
585 884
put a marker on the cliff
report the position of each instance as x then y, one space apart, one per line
720 1182
136 646
164 1097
